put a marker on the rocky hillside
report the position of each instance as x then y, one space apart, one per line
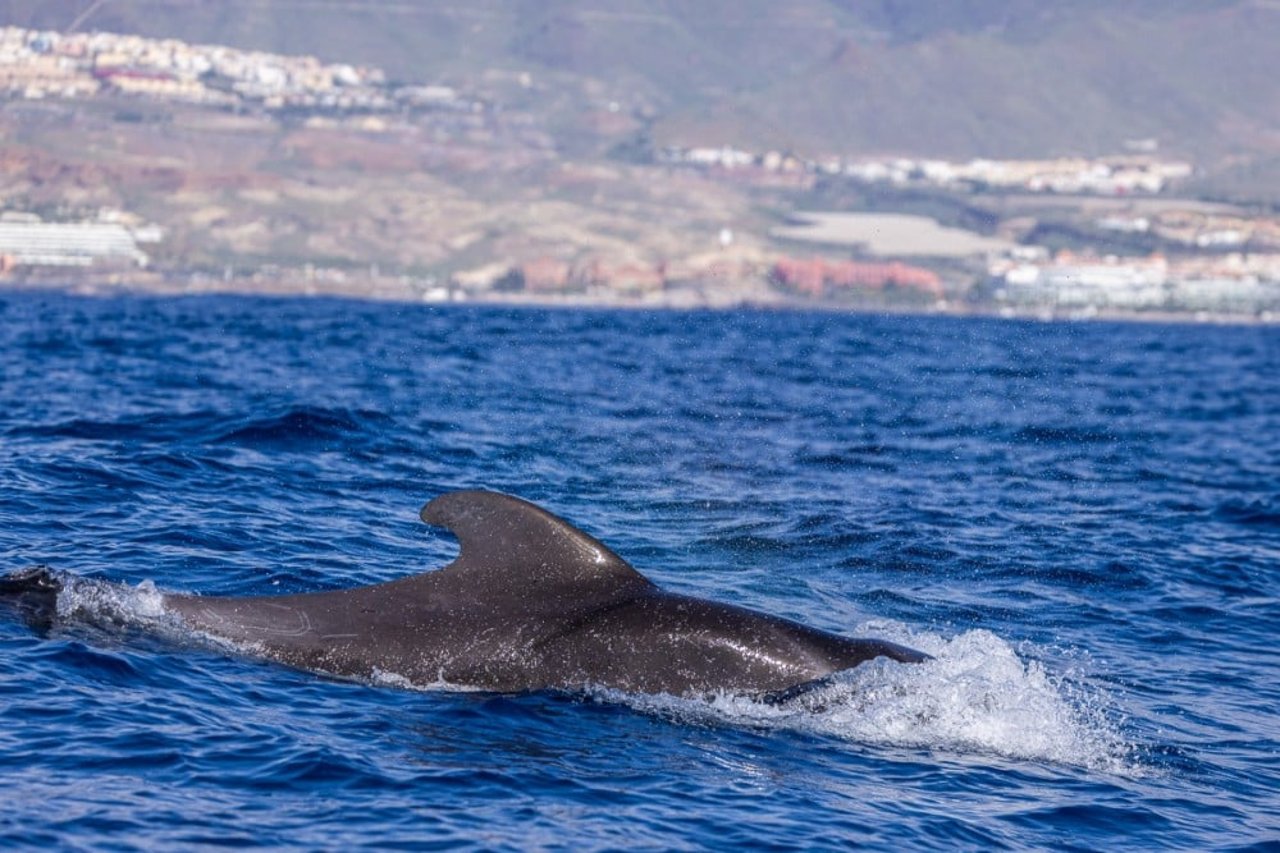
966 77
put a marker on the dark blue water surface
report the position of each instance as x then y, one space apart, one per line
1080 522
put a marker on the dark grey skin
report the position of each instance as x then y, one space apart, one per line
531 603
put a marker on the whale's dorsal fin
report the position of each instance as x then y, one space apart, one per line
506 540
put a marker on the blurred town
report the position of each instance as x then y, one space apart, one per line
135 162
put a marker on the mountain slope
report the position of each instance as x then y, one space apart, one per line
968 77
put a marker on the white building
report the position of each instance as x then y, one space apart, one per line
1239 294
1105 283
78 244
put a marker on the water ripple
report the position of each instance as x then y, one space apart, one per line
1078 521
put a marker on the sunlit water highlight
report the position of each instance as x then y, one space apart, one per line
1080 523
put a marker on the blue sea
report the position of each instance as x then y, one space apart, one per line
1080 522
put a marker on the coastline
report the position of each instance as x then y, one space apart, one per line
677 299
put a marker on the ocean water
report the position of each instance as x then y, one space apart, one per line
1081 522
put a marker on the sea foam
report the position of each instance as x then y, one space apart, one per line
977 695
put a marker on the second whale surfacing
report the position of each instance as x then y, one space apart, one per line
531 603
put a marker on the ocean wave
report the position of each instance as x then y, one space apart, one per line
1261 512
1024 492
304 427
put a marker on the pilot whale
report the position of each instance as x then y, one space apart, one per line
530 603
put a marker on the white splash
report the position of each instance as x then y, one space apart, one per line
107 604
384 678
976 696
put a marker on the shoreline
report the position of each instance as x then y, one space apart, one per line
672 300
